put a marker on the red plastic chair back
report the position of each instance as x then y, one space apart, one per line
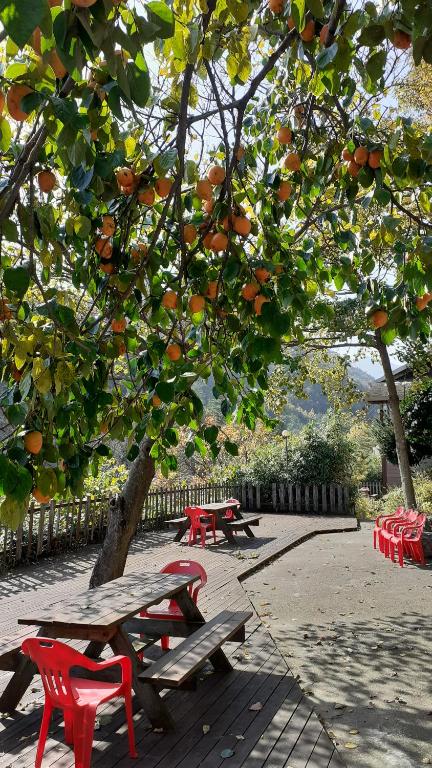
194 514
189 568
415 531
54 661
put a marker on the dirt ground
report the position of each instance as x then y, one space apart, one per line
357 631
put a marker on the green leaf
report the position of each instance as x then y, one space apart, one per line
189 449
165 391
82 227
165 161
231 448
240 10
16 413
316 8
13 512
139 81
21 17
211 433
326 56
372 35
162 16
5 135
17 280
298 13
375 65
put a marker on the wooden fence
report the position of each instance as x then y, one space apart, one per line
374 487
55 527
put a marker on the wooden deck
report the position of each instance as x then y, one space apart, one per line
282 731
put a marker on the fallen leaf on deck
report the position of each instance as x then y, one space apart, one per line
240 737
350 745
158 730
206 728
340 706
227 753
353 731
256 707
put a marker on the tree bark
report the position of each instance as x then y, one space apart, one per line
399 430
123 517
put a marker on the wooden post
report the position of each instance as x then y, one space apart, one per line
340 499
39 543
18 548
282 497
258 496
298 498
50 524
290 498
315 498
86 518
250 496
346 493
332 499
324 499
78 522
274 497
30 531
306 495
243 496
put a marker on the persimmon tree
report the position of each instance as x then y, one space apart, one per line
163 168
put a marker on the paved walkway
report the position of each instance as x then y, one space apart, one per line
280 731
357 631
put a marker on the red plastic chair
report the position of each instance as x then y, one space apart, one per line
173 612
197 523
408 518
229 513
77 697
380 523
405 540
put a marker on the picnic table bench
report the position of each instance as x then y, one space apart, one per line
107 615
219 508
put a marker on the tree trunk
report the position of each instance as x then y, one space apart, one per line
123 517
399 430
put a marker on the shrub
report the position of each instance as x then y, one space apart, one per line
423 491
416 411
109 480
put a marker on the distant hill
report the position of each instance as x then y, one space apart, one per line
299 411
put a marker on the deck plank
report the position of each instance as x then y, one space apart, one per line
286 729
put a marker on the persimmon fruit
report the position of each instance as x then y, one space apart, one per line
156 401
374 159
219 242
173 352
324 34
242 225
216 175
401 40
163 187
284 191
207 240
125 177
308 33
212 289
284 135
169 300
292 161
107 267
276 6
347 155
40 497
33 442
379 318
262 274
361 155
118 325
14 96
104 247
249 291
46 181
189 233
146 196
196 303
353 168
259 302
204 189
108 225
208 206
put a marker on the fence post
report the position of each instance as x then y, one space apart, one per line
18 549
39 543
332 499
258 496
306 498
324 499
282 496
298 494
346 498
274 497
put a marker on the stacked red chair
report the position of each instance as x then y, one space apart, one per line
406 540
380 524
201 521
390 526
78 697
172 612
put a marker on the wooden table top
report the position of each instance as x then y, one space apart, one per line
217 506
112 603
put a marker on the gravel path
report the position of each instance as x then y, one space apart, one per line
357 631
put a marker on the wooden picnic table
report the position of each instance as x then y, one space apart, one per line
100 616
218 509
